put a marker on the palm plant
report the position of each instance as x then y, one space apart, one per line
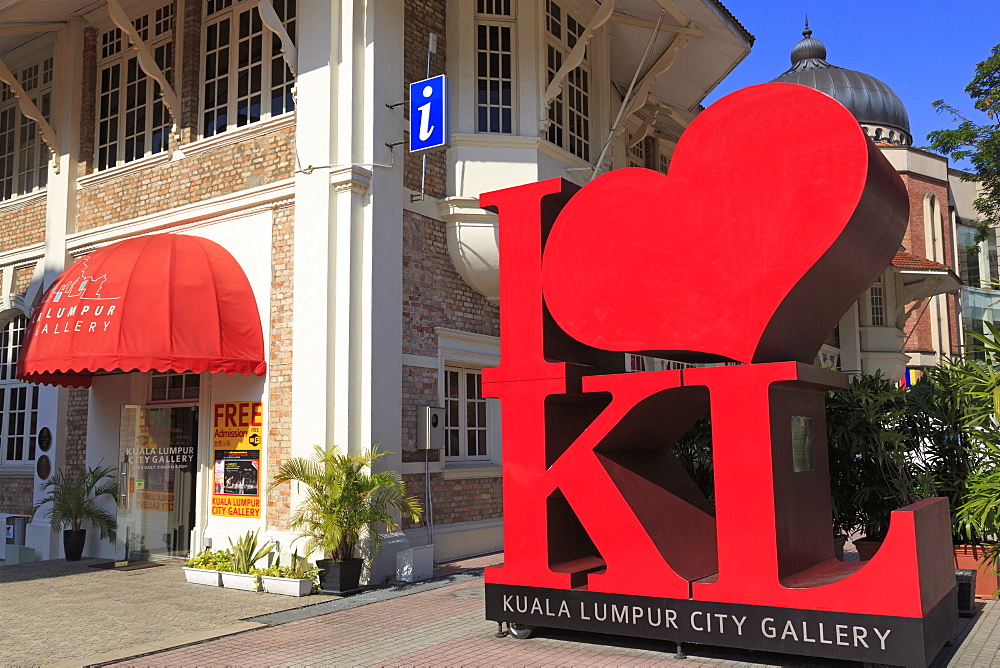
870 455
345 500
73 496
980 380
244 553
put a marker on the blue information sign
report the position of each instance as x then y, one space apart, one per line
430 115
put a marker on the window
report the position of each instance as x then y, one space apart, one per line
876 298
18 400
171 386
636 153
968 266
992 256
569 113
663 163
132 121
465 425
976 324
244 78
24 159
494 67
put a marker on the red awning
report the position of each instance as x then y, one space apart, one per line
165 302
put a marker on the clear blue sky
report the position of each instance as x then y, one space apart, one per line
925 50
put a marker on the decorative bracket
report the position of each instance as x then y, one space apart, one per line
147 62
270 19
661 65
672 113
29 109
646 128
573 60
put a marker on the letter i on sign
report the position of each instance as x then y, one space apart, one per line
430 114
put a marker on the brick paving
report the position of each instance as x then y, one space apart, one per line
97 617
445 626
62 612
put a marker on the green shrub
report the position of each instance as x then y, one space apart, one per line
218 560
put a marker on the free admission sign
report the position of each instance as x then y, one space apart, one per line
237 438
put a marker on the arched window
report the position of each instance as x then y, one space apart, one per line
932 228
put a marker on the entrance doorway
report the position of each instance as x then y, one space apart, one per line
157 465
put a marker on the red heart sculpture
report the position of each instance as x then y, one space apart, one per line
777 213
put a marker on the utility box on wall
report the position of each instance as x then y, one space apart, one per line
430 428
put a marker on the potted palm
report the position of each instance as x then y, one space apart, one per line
870 458
344 502
73 499
978 516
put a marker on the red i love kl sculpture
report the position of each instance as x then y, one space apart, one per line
776 214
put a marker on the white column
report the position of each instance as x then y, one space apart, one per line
315 112
348 228
347 329
60 218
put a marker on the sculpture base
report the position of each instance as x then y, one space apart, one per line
900 641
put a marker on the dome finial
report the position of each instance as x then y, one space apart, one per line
809 48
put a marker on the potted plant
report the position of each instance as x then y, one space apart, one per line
344 501
296 579
870 458
243 557
206 567
982 508
73 497
978 512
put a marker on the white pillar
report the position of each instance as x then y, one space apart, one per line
348 228
60 219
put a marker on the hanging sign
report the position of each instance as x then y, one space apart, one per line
430 116
236 445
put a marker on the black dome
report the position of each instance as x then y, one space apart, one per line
871 101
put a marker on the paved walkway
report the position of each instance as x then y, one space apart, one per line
69 614
59 611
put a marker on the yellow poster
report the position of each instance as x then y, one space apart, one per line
237 436
156 500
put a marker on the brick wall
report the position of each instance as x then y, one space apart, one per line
76 428
462 500
88 107
22 279
191 69
423 17
254 162
434 295
280 365
420 388
23 226
919 324
15 495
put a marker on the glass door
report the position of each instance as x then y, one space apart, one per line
157 462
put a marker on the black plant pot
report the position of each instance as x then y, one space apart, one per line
73 540
339 576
